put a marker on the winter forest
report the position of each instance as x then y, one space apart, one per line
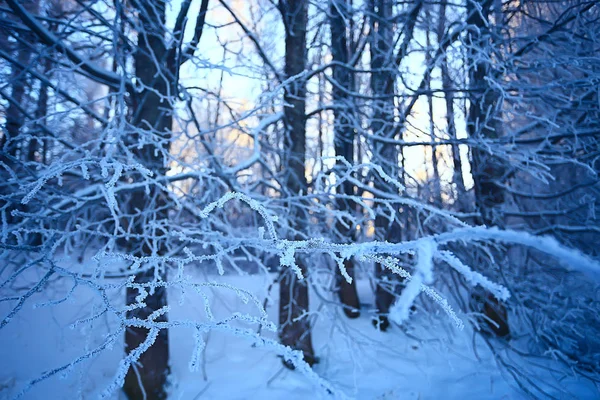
289 199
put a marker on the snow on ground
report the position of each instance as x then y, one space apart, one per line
363 363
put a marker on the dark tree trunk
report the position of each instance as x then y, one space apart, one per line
12 144
294 328
36 145
150 117
14 115
482 123
343 143
149 375
382 125
293 293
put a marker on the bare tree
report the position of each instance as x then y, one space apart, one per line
127 148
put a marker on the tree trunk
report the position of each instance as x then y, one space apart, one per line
343 143
487 169
36 145
11 144
293 293
382 125
14 116
151 117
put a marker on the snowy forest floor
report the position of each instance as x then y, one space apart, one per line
443 363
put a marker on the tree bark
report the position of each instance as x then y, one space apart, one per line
294 325
487 169
344 144
41 111
151 117
482 123
382 124
14 116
